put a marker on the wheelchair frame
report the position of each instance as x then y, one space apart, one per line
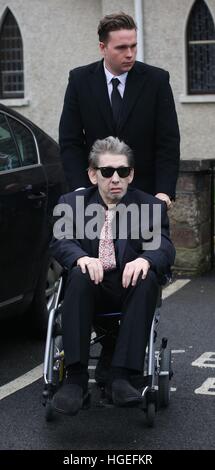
157 375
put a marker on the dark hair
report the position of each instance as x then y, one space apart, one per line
110 145
114 22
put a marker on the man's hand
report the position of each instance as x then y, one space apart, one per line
164 197
132 271
94 267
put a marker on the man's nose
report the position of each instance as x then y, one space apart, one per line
129 52
115 177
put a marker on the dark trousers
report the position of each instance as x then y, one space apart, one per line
84 300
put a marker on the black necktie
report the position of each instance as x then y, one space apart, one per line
116 101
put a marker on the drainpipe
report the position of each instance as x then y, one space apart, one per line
138 7
212 214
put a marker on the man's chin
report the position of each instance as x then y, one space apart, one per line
127 68
116 197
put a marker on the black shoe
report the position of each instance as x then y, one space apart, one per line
123 394
102 370
69 399
138 381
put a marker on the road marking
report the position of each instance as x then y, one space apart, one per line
177 351
35 374
173 351
21 382
172 389
207 388
174 287
207 359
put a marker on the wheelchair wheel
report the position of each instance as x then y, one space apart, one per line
37 315
59 367
150 414
164 380
49 414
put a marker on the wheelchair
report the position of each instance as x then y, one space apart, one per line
154 383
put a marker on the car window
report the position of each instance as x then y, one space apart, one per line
25 142
9 157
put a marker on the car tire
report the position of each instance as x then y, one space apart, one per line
43 296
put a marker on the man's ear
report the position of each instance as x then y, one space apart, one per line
102 47
92 174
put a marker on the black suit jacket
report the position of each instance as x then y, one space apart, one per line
67 251
148 125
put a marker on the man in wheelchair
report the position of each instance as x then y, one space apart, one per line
116 261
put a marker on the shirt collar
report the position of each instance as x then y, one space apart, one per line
109 76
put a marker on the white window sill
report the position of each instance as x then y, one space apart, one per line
197 98
16 103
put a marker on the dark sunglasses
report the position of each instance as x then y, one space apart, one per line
108 171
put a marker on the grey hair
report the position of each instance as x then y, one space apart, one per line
110 145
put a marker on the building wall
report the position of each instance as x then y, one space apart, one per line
117 5
164 45
61 34
57 36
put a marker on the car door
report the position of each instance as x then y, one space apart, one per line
23 203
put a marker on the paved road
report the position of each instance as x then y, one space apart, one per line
188 321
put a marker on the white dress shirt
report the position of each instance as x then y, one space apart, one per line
122 78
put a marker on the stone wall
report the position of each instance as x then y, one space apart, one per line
192 222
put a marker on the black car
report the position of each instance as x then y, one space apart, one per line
31 181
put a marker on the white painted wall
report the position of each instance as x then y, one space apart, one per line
61 34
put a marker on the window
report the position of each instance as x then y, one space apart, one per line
25 142
200 50
17 145
9 157
11 59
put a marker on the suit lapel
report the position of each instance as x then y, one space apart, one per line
135 81
134 84
94 243
100 94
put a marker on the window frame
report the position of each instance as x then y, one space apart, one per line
13 143
189 91
15 64
22 166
